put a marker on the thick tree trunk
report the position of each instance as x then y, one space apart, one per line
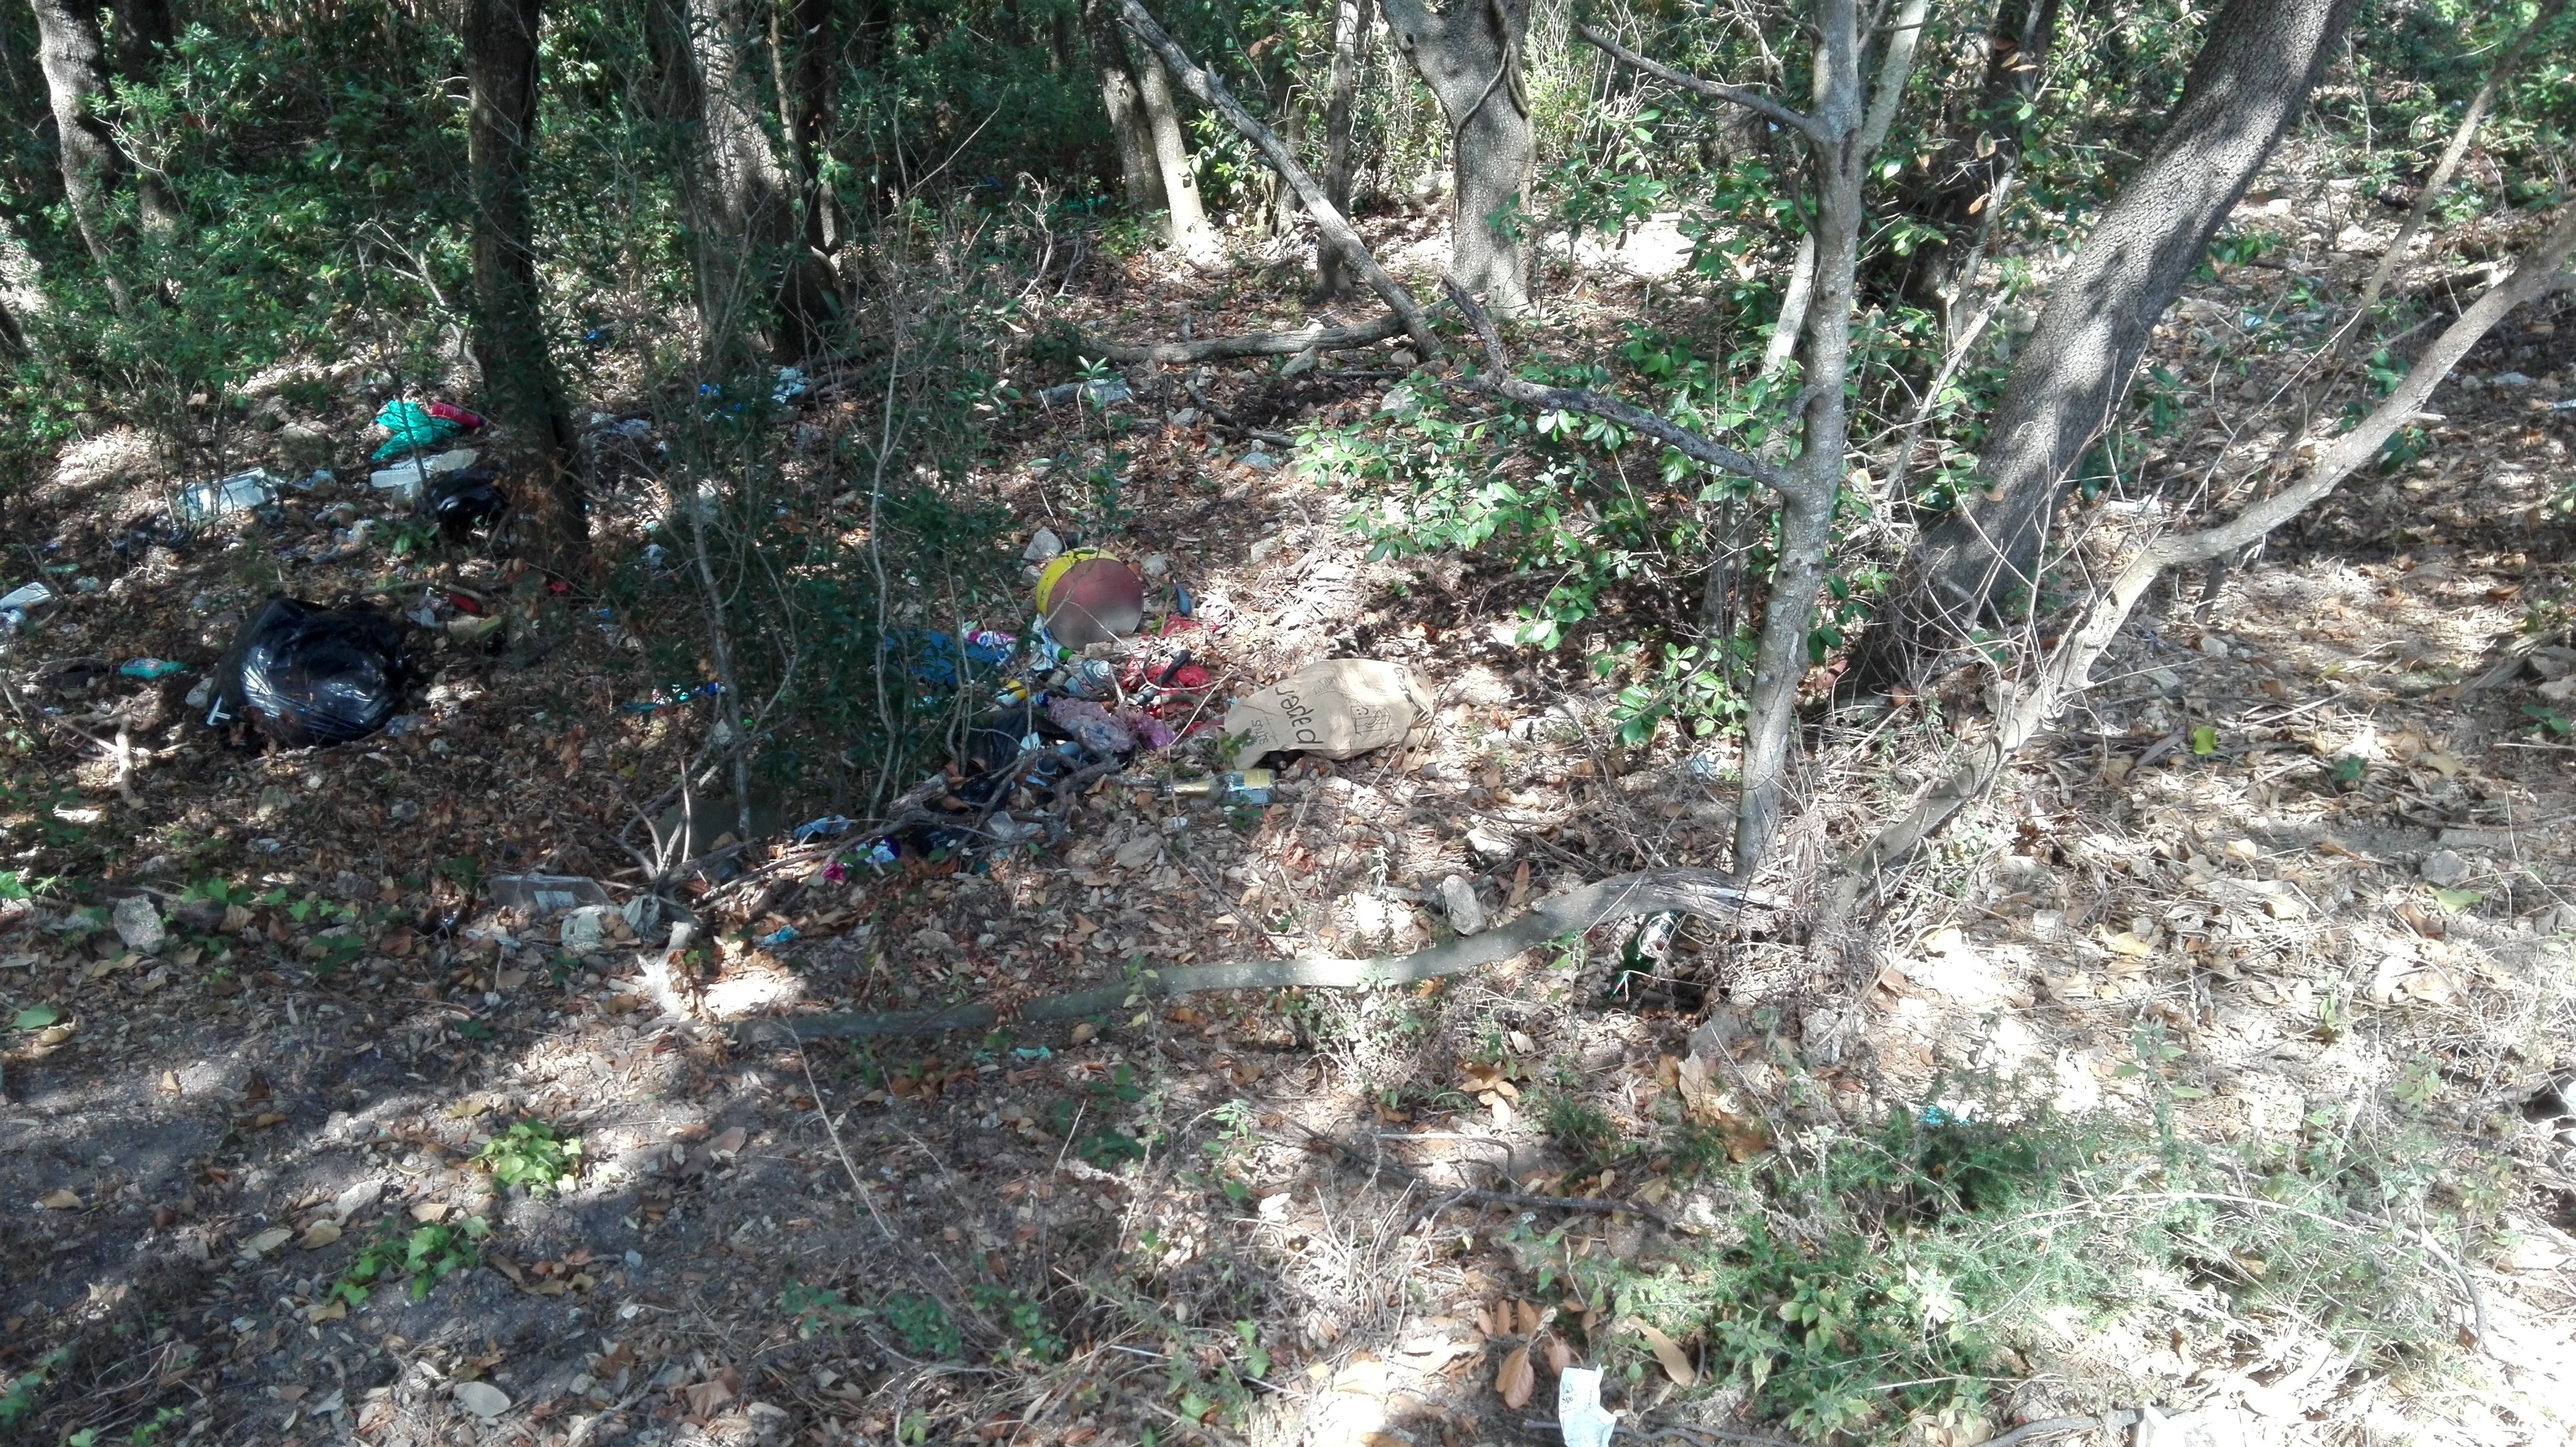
1469 55
2247 85
1188 226
1352 22
1125 103
753 272
519 385
74 59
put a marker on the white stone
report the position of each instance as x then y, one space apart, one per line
1466 912
139 925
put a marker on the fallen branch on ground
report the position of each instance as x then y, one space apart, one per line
1703 892
1500 382
1328 217
1313 337
2068 670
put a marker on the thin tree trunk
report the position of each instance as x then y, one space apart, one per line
1469 55
144 31
1352 22
74 59
2452 154
1968 180
1189 224
1125 103
809 121
519 384
2249 82
752 270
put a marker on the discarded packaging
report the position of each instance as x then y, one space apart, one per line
205 501
1337 709
1580 1417
460 502
413 428
150 668
407 479
544 894
305 674
1086 597
1092 726
1102 393
791 385
21 599
1241 786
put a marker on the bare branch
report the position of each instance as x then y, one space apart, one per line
1754 101
1499 382
1328 217
1314 336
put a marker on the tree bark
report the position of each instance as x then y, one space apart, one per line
519 384
810 113
2246 86
1187 226
1125 103
1974 169
74 58
753 270
1469 55
144 31
1353 20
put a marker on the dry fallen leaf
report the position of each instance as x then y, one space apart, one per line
1516 1379
1559 1356
1529 1320
319 1235
267 1241
1677 1364
332 1310
429 1211
705 1397
62 1201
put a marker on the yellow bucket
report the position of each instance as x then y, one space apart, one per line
1089 597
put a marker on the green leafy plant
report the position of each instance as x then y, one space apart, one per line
1027 1336
531 1154
922 1325
423 1257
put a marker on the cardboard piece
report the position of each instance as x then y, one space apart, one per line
1337 709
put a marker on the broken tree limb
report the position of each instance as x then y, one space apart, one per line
1752 100
1703 892
1500 382
1328 217
1314 336
2068 670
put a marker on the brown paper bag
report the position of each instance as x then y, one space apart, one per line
1337 709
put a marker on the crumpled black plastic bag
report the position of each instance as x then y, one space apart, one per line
461 502
305 674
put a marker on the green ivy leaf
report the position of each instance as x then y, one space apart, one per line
2204 741
35 1017
2456 900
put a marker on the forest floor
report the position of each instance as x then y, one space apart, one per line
2344 911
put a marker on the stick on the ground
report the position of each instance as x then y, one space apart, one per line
1703 892
1314 336
1479 1196
1328 217
1751 100
2068 670
1499 382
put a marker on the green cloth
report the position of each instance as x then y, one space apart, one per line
412 427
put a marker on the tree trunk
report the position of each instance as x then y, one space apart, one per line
1126 106
74 59
1352 22
752 269
519 386
2247 85
144 30
809 121
1188 224
1970 176
1469 55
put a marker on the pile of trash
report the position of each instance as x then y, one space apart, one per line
1113 668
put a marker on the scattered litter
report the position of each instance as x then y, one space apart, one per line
791 385
1240 786
150 668
1043 546
1102 393
462 501
675 694
2509 379
205 501
413 428
305 674
779 936
1337 709
450 412
1086 597
1580 1417
585 930
544 894
934 654
1155 565
1092 678
407 479
1092 726
830 826
20 599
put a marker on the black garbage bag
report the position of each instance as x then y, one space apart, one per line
461 502
305 674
